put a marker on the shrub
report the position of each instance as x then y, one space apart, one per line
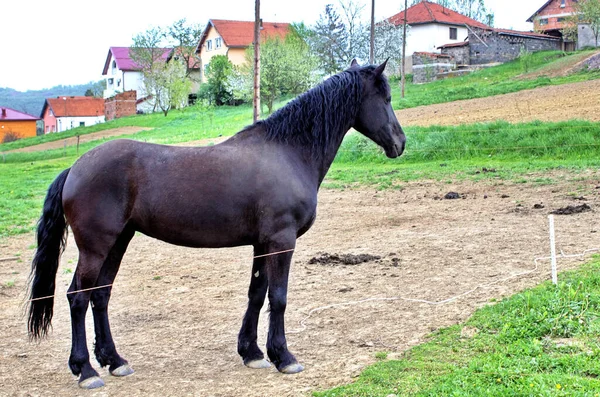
11 136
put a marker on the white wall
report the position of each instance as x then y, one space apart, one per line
66 123
428 37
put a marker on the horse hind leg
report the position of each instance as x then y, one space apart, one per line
78 295
104 347
247 347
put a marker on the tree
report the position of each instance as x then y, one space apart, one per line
165 79
287 67
330 38
184 38
97 89
218 87
357 32
388 44
171 86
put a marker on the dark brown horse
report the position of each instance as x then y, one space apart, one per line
257 188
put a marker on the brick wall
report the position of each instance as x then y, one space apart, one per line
120 105
491 46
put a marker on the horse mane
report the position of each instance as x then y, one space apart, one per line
314 118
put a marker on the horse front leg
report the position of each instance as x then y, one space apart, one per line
247 346
278 268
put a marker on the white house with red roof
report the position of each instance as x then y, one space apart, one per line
65 112
433 25
232 38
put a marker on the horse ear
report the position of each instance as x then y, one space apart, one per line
380 68
353 63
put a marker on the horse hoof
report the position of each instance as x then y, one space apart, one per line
123 370
258 364
91 383
292 369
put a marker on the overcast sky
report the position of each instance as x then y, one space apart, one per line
44 44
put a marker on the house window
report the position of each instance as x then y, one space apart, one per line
218 42
208 45
82 123
543 21
560 19
562 3
453 33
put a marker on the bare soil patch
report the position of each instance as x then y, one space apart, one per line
553 103
94 136
176 311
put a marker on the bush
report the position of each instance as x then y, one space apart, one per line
11 136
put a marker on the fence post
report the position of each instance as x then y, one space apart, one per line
552 249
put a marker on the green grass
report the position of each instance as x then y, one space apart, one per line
497 80
497 151
541 342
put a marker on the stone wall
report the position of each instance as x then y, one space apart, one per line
460 54
120 105
427 65
488 46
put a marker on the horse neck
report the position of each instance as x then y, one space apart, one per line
325 159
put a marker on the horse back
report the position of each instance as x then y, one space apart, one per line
223 195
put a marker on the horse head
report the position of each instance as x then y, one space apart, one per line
376 118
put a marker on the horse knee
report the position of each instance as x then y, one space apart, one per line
278 301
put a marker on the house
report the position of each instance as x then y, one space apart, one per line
65 112
232 38
431 26
16 125
553 16
123 74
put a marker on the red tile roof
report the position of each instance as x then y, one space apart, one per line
123 58
241 33
8 114
75 106
427 12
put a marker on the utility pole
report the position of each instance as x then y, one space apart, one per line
372 47
256 95
403 79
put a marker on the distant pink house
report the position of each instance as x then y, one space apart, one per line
66 112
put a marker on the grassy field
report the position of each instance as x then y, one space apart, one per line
541 342
200 122
502 79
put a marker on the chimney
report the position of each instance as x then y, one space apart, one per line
3 112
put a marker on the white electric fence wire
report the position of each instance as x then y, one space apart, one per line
434 303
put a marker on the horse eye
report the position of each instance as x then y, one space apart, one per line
388 99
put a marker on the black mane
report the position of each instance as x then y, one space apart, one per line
311 119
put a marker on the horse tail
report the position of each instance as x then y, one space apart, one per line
51 240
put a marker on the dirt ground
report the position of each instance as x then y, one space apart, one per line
553 103
175 311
